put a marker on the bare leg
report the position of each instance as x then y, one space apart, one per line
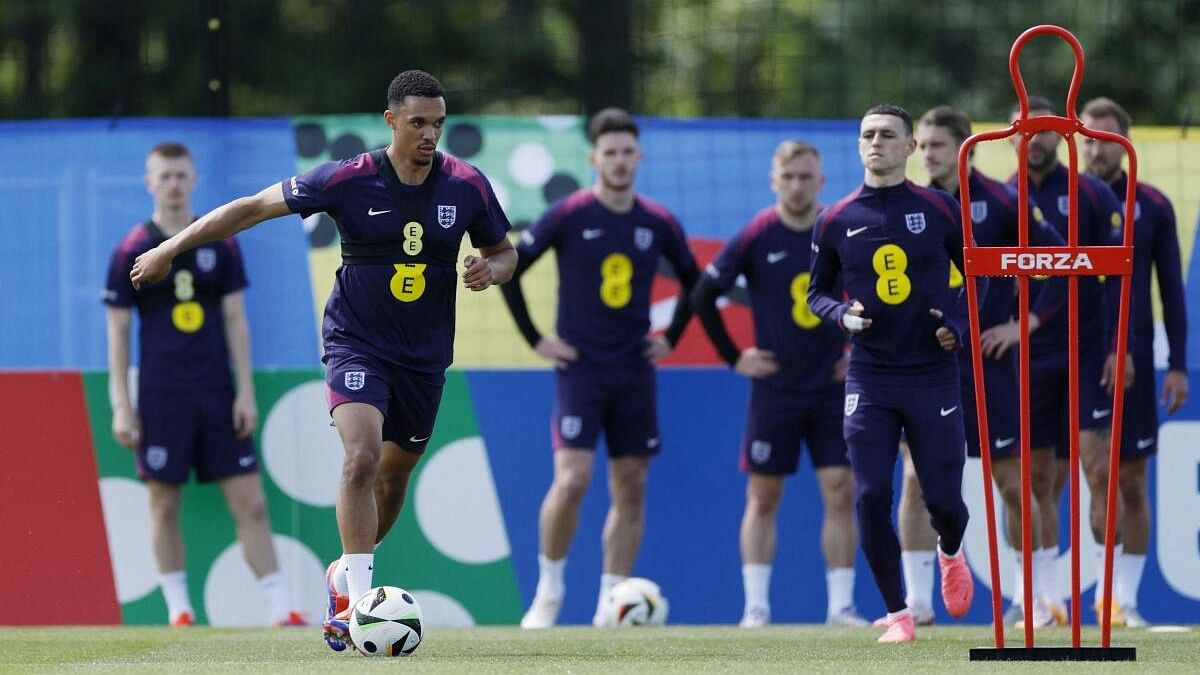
1006 474
1047 477
244 495
1093 455
361 427
1135 530
839 534
626 514
391 484
164 526
758 534
560 508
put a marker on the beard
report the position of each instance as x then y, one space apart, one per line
617 184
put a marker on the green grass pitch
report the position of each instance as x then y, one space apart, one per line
673 649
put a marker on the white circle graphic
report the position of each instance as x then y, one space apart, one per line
501 193
301 451
126 505
233 597
456 504
531 165
442 611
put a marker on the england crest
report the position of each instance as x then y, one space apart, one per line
643 237
760 451
570 426
355 379
446 215
978 211
206 259
851 404
1064 204
1137 210
156 457
915 222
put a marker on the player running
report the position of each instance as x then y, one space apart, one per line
608 241
388 330
797 369
1156 243
891 243
940 133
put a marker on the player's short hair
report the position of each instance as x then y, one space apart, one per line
1103 106
791 149
610 120
170 150
951 119
1035 103
413 83
895 111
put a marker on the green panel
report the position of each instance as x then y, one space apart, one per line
406 558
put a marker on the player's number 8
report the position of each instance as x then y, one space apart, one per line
408 283
890 262
187 315
616 277
802 314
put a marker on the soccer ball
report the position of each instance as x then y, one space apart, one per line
636 602
386 621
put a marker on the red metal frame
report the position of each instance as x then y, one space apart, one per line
1110 261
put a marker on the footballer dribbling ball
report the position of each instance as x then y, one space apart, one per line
637 602
386 621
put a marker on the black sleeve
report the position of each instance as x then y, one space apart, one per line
704 303
515 299
683 307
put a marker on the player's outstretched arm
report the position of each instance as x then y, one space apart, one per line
220 223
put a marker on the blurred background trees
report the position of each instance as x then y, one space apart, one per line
746 58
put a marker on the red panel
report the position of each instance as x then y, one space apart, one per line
694 347
56 565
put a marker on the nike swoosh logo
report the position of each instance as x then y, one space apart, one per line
1097 414
1143 443
851 233
947 412
414 439
1005 442
592 234
775 256
372 212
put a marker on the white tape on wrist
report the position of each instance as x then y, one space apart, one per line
852 322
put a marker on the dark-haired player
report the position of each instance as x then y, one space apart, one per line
890 244
608 241
1099 225
389 324
797 367
1156 243
189 414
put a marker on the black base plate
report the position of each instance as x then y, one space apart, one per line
1054 654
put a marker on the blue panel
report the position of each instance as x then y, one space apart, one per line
713 173
72 189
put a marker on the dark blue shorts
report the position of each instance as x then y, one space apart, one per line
1003 406
185 429
778 421
930 414
620 401
1049 399
1139 426
408 399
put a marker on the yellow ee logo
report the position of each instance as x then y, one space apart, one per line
188 317
890 262
408 283
412 237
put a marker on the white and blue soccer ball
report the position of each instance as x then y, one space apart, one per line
386 621
636 602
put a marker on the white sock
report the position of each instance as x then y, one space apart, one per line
840 583
1128 577
1045 562
550 577
756 583
339 579
275 586
1099 594
918 577
360 571
607 581
1018 595
174 589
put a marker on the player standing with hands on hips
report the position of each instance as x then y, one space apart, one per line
890 243
388 330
